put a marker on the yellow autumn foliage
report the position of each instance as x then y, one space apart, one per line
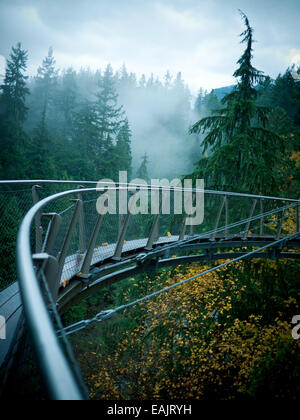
187 343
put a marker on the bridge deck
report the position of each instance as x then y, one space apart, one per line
11 310
102 253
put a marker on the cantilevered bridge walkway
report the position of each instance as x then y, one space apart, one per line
66 250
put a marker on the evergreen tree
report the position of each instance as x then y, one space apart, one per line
14 89
245 154
209 104
84 147
142 81
13 111
109 159
109 117
285 93
46 84
180 99
67 100
168 80
142 172
41 153
123 149
198 102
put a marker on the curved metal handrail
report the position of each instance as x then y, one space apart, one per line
152 187
60 380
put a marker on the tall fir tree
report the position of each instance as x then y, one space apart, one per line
123 149
14 88
142 172
244 154
109 118
13 111
84 147
42 146
45 86
41 153
67 98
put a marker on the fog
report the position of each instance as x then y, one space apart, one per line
196 41
159 112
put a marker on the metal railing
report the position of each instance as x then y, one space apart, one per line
64 247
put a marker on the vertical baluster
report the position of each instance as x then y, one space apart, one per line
183 230
153 233
53 230
192 227
85 269
63 253
49 266
38 227
261 232
120 243
279 228
122 233
250 216
226 216
213 235
82 230
48 263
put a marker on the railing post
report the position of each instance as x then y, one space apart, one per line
261 230
250 216
38 227
121 220
213 235
82 232
297 221
120 243
63 253
85 269
226 216
192 227
153 233
52 232
192 230
183 230
49 266
279 228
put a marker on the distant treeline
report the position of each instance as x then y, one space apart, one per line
90 125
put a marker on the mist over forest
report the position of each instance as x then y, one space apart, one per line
90 125
159 113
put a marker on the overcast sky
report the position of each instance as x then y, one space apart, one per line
197 37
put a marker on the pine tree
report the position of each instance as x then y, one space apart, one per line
245 155
168 80
180 97
123 149
142 82
109 117
13 111
208 104
41 152
109 159
46 83
14 89
198 102
67 100
142 172
84 147
286 94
